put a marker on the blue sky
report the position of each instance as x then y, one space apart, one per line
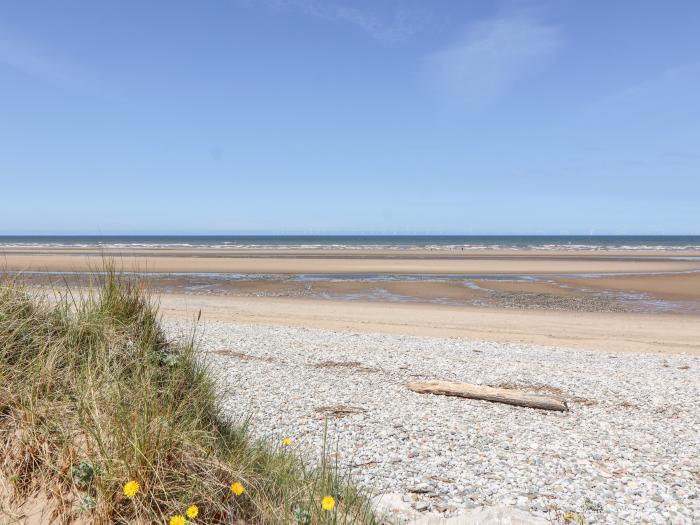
310 116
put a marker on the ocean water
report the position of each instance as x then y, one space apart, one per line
436 242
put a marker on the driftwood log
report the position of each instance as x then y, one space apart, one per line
488 393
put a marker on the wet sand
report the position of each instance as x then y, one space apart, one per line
613 302
673 287
558 280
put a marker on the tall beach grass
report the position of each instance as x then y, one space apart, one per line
93 395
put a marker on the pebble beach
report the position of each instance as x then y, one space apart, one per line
625 452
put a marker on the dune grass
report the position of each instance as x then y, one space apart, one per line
93 395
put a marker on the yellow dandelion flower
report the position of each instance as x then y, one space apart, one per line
237 488
328 503
179 519
131 488
192 512
286 441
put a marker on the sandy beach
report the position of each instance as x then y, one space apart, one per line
300 261
332 350
624 301
592 331
623 453
333 337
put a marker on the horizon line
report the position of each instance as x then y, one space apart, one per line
346 234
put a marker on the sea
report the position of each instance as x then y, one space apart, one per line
398 242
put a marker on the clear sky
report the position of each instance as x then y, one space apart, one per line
341 116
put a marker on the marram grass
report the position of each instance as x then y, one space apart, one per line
109 422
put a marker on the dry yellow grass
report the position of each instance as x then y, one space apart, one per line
93 396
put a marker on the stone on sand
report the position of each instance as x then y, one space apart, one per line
395 505
497 515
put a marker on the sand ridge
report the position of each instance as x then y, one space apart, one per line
284 263
618 332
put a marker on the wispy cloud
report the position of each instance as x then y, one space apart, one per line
657 118
663 92
400 23
32 59
477 69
